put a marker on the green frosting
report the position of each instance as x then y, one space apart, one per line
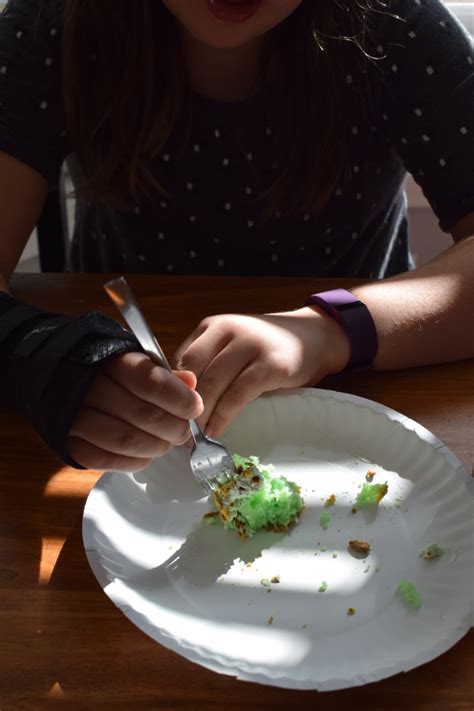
409 593
275 505
371 494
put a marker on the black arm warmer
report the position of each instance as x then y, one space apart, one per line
48 362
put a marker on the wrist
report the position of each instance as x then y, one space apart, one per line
354 318
337 348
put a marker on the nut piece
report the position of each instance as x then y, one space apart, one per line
361 547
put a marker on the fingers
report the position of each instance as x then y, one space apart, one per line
137 373
221 373
250 384
187 377
109 397
197 351
116 436
93 457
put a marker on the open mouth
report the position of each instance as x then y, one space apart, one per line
233 10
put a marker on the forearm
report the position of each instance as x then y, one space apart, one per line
426 315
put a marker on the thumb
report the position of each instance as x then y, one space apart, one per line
187 377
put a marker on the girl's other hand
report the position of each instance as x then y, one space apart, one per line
135 411
237 358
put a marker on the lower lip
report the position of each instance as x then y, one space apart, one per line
228 11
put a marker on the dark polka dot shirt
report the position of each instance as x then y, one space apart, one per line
410 110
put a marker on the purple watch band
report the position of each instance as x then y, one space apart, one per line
355 318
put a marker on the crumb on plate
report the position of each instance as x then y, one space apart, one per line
361 547
431 552
371 494
409 593
324 519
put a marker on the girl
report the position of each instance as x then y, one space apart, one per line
231 137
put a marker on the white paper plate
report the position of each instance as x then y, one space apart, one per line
187 585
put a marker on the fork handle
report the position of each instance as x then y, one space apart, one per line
122 296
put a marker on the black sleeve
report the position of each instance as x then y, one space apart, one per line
49 361
31 108
427 60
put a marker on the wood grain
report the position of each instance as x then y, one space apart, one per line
64 645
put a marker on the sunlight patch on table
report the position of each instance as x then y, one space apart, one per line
51 547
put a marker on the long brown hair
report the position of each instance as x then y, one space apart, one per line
125 86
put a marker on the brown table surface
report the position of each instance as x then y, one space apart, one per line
63 644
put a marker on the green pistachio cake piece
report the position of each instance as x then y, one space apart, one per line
275 506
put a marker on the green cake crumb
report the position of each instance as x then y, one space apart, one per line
323 587
431 552
265 582
334 555
409 593
323 549
325 519
275 506
371 494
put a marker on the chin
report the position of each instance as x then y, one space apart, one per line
225 40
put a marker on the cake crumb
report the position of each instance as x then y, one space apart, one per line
265 582
275 579
331 500
354 510
431 552
351 611
409 593
270 620
361 547
371 494
334 555
303 627
210 518
370 475
323 587
324 519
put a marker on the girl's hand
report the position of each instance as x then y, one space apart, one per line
237 358
135 411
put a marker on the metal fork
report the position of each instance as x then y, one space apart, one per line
211 462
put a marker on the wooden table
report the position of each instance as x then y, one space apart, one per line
64 645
